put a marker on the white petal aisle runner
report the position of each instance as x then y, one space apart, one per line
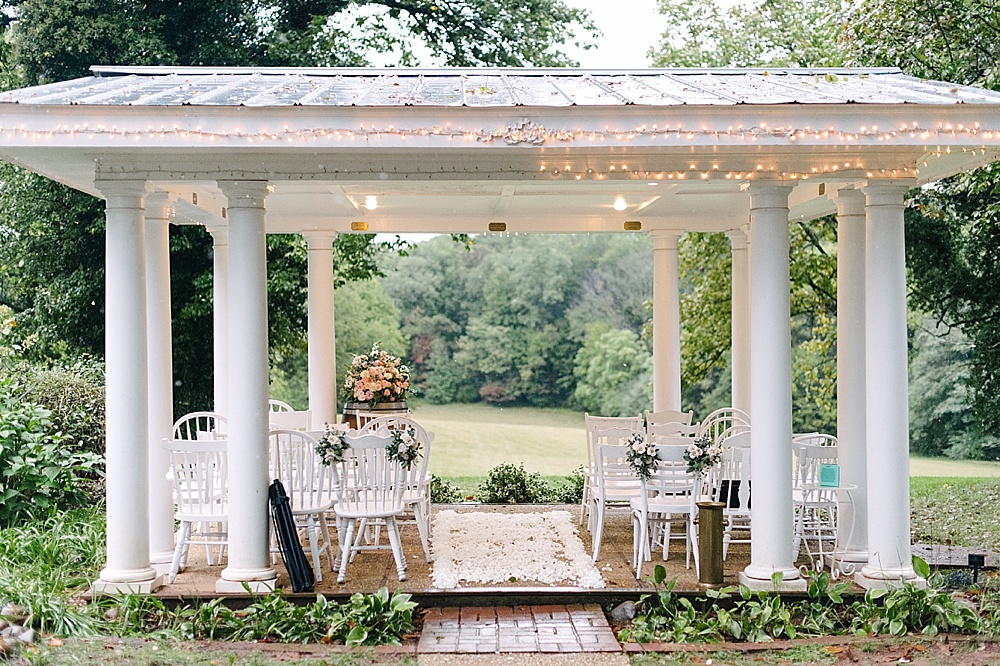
539 547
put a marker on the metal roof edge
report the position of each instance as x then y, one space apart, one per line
151 70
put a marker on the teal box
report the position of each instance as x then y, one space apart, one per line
829 476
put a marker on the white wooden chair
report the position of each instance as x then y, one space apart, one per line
615 484
204 427
282 416
311 488
371 487
724 422
668 492
729 483
200 478
815 509
658 431
593 424
417 497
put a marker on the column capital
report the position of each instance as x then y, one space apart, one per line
319 240
245 193
158 205
887 192
665 240
850 201
768 195
122 193
737 238
220 234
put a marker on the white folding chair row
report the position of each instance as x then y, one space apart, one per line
669 491
311 488
417 495
594 424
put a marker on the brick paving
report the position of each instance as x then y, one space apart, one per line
501 629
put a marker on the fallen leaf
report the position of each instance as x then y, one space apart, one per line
55 642
834 649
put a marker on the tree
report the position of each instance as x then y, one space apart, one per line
772 33
614 372
51 238
953 228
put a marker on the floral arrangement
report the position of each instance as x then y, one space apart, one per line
331 446
641 457
702 455
376 377
404 447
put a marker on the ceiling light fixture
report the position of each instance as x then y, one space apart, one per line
620 203
371 202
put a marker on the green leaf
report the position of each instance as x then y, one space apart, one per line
357 635
921 567
659 574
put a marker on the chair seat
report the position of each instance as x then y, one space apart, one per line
677 504
363 510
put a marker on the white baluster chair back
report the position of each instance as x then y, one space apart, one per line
592 425
669 491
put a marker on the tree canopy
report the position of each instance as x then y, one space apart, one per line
51 237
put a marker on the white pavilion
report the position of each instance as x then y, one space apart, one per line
318 152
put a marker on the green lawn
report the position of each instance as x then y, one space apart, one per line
471 439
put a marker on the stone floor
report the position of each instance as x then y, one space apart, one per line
374 569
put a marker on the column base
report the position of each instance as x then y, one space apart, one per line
108 587
223 586
161 562
767 585
888 583
859 557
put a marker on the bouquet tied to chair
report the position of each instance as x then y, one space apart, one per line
702 455
640 455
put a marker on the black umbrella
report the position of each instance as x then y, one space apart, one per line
299 571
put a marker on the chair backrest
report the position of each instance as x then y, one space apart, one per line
669 416
384 425
730 481
279 406
727 420
201 427
364 418
596 423
200 478
290 419
808 458
369 481
659 431
308 482
814 438
614 478
671 476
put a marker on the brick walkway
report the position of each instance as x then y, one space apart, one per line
575 628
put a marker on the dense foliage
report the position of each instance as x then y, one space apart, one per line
51 237
37 474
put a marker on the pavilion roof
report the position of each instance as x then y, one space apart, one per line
493 87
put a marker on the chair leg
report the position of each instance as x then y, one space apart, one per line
597 531
179 550
346 550
327 544
312 532
397 549
362 534
585 500
418 516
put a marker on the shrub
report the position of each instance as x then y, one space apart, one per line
444 491
37 475
570 491
74 394
507 484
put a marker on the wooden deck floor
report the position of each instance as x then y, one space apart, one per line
372 570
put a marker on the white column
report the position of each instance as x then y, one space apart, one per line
322 341
889 558
851 423
220 317
161 382
740 350
771 389
127 489
666 323
249 557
